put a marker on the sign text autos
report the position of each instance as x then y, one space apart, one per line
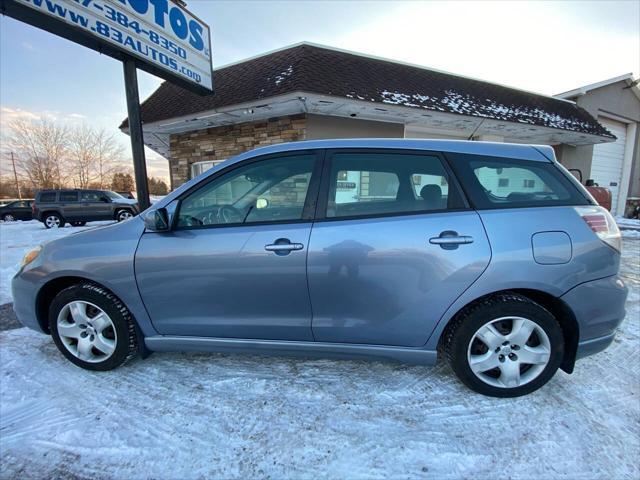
155 31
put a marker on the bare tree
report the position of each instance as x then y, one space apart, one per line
108 155
40 151
82 155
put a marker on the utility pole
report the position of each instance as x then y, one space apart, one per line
15 176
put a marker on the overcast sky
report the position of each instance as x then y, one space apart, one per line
546 47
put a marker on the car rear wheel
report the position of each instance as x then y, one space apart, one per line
53 220
504 346
123 215
7 217
92 328
78 224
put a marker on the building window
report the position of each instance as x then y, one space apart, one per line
503 182
199 167
526 183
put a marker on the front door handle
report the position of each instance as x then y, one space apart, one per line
449 240
283 246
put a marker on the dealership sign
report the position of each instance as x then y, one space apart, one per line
163 37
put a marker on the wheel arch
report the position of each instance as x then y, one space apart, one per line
43 214
558 308
49 290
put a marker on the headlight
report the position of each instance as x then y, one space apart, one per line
30 256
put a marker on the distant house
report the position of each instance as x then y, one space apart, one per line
615 165
308 91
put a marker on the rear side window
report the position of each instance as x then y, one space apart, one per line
47 197
493 182
363 184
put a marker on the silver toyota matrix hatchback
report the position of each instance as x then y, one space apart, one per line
491 256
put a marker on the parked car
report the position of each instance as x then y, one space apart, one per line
492 255
16 210
56 207
128 195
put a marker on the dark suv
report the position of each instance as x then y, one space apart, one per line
56 207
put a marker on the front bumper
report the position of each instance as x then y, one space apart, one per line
24 301
599 307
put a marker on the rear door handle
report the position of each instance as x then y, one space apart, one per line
449 240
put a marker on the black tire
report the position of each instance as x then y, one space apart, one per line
7 217
126 344
460 332
122 211
52 215
78 224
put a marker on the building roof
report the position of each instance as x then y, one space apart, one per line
326 71
576 92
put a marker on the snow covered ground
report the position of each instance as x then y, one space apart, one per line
188 416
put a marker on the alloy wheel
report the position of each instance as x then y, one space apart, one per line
52 221
8 218
509 352
86 331
124 215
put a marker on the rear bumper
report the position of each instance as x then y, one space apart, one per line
599 307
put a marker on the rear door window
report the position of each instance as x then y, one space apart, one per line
493 182
68 196
378 183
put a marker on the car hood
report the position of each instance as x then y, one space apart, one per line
127 201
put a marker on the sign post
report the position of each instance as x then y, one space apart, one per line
158 36
135 132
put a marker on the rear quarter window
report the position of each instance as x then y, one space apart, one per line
47 197
494 182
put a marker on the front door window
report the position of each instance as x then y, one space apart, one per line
272 190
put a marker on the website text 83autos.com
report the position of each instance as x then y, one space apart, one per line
125 30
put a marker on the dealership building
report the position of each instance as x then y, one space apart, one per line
308 91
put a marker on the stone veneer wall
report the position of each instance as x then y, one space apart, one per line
220 143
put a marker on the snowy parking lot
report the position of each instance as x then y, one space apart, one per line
228 416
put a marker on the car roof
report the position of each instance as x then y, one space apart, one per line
541 153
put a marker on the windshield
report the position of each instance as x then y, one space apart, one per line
113 195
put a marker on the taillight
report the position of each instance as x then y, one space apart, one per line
602 224
33 207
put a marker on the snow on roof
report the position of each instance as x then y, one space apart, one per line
325 71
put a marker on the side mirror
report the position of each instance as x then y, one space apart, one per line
591 183
157 220
105 199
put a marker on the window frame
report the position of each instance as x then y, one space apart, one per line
454 185
311 199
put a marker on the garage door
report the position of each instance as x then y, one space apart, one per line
608 159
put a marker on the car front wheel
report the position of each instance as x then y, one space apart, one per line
504 345
92 328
